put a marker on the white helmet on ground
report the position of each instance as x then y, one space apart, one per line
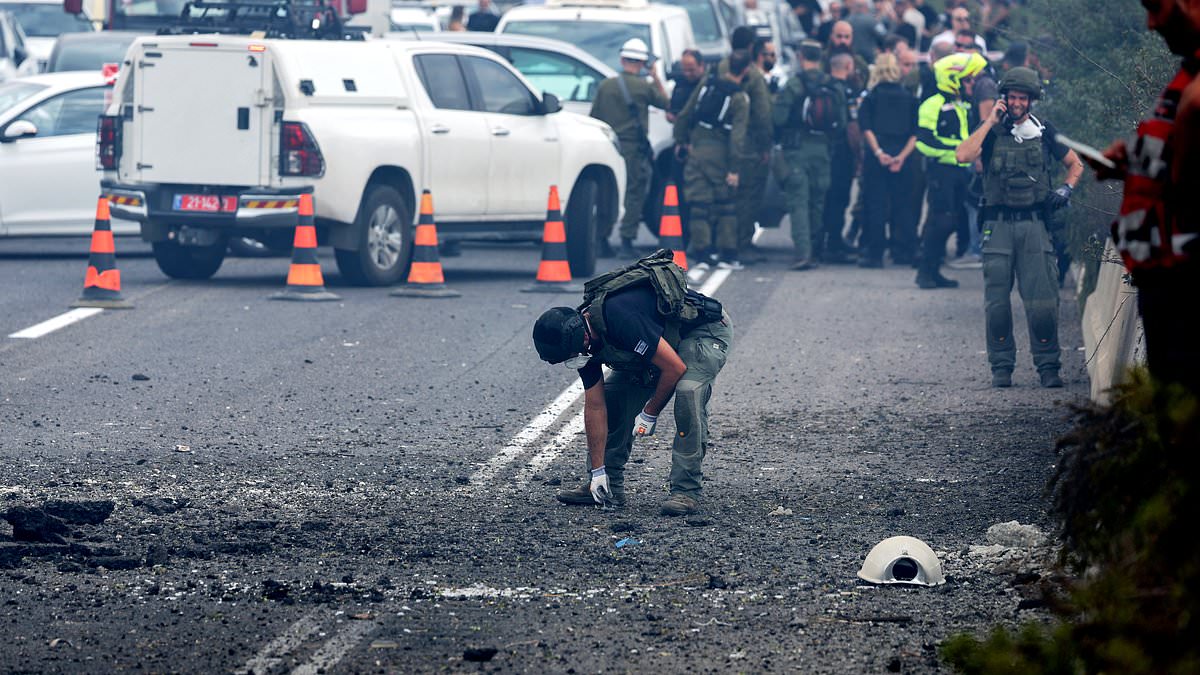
635 49
902 560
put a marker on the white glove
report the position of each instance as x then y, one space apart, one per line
600 491
645 424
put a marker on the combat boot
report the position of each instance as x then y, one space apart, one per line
1001 378
582 496
1050 378
680 505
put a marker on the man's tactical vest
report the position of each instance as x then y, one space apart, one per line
712 105
680 307
1016 176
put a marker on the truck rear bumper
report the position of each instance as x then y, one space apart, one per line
235 208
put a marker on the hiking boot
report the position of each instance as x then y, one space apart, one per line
604 249
803 264
582 496
944 282
680 505
1050 379
1001 379
925 280
627 249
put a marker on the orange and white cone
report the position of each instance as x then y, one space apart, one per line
102 284
554 272
670 228
304 281
425 278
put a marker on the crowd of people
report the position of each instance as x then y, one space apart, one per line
866 107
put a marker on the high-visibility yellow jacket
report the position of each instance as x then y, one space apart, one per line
941 126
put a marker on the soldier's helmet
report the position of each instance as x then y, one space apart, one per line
635 49
1021 79
558 334
950 71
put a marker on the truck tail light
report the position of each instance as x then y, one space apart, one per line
298 152
108 143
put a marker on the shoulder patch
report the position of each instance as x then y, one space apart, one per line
641 347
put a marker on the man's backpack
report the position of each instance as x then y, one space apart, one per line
679 305
821 110
712 103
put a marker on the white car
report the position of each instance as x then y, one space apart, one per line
48 177
43 21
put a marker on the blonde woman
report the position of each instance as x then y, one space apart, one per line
888 119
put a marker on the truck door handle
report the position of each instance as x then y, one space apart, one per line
440 129
499 131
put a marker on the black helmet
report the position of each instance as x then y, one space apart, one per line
558 334
1022 79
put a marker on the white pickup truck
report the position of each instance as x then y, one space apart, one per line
213 136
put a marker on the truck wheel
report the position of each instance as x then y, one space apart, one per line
583 216
384 226
189 262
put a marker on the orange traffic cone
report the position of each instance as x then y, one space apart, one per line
304 281
102 284
670 229
554 272
425 278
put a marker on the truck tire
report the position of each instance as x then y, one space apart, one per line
385 233
583 216
189 262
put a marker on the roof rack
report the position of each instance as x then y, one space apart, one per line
618 4
286 19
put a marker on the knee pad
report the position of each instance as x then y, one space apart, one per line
691 397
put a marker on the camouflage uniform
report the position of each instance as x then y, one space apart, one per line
751 169
805 178
609 106
713 156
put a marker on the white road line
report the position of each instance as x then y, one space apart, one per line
272 654
527 435
330 653
60 321
551 450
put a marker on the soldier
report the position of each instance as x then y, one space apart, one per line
751 165
1016 149
808 111
712 130
623 102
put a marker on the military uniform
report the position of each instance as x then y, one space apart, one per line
750 167
1016 244
611 107
715 146
805 178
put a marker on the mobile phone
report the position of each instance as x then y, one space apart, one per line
1085 150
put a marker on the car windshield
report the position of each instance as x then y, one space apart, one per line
13 93
45 19
560 75
705 26
600 39
87 54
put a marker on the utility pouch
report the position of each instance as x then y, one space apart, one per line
708 309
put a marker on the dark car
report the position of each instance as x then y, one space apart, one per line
89 51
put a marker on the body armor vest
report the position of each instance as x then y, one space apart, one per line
1016 176
680 307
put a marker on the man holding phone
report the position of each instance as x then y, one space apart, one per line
1158 230
1018 151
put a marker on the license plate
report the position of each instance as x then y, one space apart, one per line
205 203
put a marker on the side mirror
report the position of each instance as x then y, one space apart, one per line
352 6
73 6
550 104
19 129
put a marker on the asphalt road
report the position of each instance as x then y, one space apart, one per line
367 485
